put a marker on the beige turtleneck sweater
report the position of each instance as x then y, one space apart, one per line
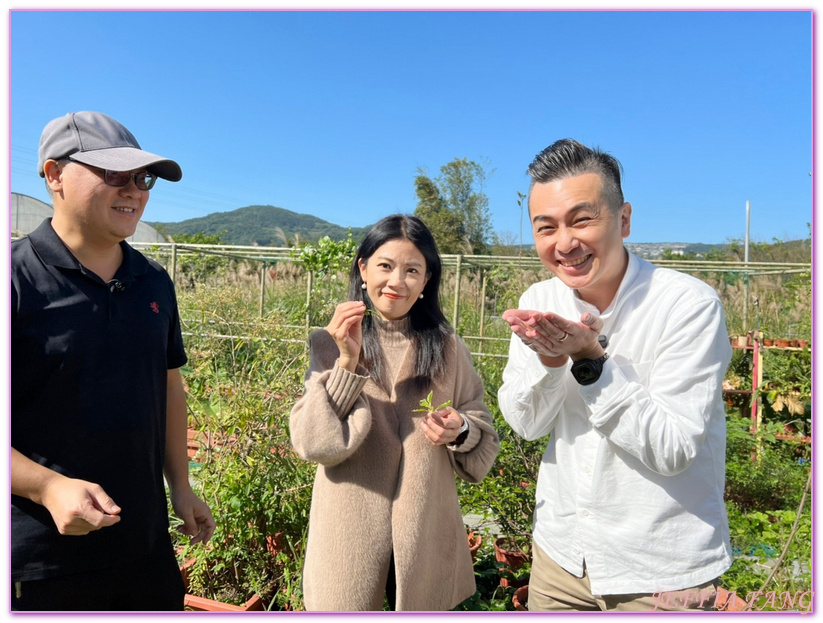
381 487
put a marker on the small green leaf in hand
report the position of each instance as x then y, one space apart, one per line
427 406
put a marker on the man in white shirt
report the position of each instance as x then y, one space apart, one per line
622 364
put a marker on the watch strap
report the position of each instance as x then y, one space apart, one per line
461 434
588 371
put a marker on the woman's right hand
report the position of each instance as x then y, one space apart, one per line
346 327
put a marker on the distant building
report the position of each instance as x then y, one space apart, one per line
27 213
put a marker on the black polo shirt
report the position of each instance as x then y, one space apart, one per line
89 363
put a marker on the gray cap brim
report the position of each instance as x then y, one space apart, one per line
129 159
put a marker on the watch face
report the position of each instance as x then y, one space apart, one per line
587 374
587 371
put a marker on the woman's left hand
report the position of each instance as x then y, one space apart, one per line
441 427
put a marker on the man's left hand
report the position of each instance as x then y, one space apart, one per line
198 522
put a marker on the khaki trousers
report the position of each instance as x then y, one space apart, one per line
553 588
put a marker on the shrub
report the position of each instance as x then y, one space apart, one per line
507 495
240 393
761 475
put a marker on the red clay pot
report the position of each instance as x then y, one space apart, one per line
520 599
514 558
724 602
192 602
475 541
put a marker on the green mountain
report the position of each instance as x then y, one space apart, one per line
268 226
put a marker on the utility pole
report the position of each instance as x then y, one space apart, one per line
746 276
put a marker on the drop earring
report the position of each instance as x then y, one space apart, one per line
421 296
363 286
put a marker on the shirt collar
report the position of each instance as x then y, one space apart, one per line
54 252
632 268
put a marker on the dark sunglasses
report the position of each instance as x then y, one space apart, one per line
142 179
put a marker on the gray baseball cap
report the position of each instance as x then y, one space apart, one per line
100 141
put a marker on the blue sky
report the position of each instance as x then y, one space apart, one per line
331 113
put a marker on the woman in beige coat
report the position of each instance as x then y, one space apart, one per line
385 518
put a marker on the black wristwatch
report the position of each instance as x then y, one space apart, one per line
587 371
461 434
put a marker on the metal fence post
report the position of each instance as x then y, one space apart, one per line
262 286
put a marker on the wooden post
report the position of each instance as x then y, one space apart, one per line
757 381
310 282
456 312
174 264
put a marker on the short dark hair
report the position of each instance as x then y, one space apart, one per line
569 158
428 324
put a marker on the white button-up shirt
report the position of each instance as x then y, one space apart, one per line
632 480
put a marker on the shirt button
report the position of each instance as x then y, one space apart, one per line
585 513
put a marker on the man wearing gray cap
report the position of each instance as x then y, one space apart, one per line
98 409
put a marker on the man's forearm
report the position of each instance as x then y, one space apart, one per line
30 479
176 465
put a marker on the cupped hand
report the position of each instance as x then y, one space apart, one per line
441 427
552 335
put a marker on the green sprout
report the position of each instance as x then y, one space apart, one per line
428 407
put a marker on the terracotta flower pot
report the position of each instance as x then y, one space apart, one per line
728 601
782 343
192 602
184 570
768 342
520 599
506 551
475 541
274 543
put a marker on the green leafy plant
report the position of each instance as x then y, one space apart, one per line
787 387
507 494
330 259
240 393
327 256
489 594
763 473
765 479
757 539
427 406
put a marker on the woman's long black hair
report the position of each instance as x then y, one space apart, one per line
429 327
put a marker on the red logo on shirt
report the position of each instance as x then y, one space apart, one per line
155 307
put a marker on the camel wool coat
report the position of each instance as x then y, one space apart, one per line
381 487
